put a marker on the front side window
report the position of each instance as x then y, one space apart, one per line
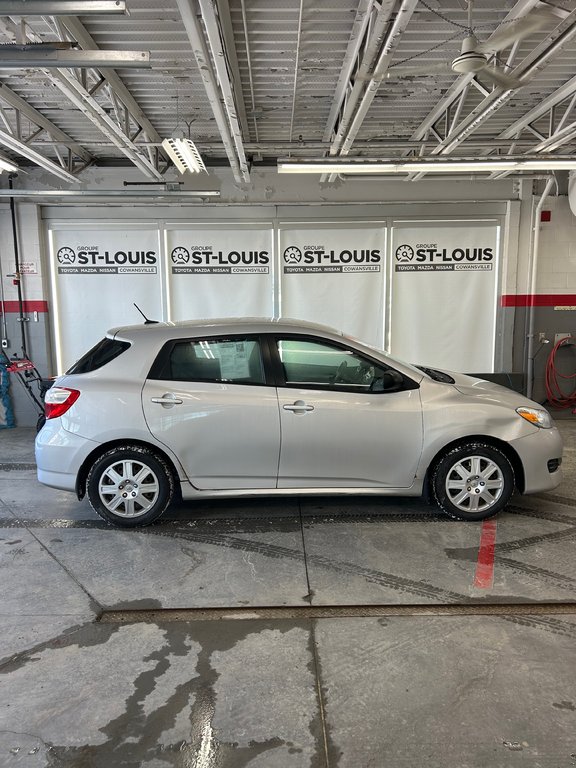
321 365
236 361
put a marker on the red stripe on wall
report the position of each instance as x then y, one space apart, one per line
539 300
28 306
484 576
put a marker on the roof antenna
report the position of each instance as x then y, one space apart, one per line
147 321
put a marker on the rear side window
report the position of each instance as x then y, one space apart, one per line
104 352
236 361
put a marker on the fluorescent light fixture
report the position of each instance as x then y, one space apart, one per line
433 165
7 165
184 155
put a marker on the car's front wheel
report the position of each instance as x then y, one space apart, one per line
473 481
130 486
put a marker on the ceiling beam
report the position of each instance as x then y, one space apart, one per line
195 34
14 56
219 58
348 130
61 7
353 50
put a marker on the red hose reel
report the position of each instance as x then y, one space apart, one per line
556 382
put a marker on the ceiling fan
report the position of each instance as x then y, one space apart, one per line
476 56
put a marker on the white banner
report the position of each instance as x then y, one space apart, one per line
334 274
444 292
220 272
97 275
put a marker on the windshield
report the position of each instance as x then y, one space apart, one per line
416 370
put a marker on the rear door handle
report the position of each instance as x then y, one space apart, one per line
168 400
298 407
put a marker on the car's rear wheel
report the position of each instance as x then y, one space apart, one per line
473 481
130 486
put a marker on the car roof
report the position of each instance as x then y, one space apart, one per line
219 326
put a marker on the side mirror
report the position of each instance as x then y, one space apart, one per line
390 381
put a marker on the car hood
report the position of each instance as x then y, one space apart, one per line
475 387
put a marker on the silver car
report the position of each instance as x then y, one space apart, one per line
264 407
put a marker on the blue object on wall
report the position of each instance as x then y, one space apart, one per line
6 412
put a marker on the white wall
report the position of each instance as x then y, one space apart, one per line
270 196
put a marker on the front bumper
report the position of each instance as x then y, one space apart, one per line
536 450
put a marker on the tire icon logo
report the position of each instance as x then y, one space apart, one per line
180 256
292 255
66 256
404 253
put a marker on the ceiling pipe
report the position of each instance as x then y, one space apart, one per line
533 286
296 67
202 56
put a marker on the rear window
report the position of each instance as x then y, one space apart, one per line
104 352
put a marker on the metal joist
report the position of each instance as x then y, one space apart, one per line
79 96
79 33
220 62
229 131
376 41
357 37
348 131
33 116
14 144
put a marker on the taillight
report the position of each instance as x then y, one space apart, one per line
58 400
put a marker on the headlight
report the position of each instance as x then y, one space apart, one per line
537 416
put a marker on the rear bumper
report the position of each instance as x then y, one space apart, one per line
535 451
59 455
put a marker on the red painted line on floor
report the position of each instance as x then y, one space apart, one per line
484 576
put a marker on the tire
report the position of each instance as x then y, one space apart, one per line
473 481
130 486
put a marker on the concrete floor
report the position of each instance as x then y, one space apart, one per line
319 645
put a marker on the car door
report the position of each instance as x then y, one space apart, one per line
346 420
209 402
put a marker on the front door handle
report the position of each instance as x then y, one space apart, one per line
298 407
168 400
